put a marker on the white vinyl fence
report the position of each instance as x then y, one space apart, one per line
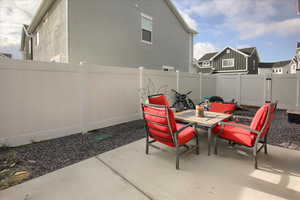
41 101
255 90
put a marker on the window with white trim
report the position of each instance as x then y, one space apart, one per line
228 62
206 64
146 26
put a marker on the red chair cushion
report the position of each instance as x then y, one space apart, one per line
159 100
260 118
221 108
237 134
183 137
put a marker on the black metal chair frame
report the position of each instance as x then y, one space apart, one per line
174 135
259 139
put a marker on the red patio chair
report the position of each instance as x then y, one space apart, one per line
248 136
222 108
159 99
161 126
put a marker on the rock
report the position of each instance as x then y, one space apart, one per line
32 161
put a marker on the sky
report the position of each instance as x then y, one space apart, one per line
272 26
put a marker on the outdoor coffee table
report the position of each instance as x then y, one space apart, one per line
209 121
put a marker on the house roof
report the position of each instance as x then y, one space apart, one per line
247 51
274 64
46 4
207 56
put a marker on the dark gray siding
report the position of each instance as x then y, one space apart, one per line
253 62
204 70
239 61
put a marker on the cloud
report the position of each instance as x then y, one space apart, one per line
202 48
13 14
187 17
249 18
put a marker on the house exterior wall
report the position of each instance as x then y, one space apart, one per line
253 62
262 71
27 54
109 33
204 70
239 61
52 35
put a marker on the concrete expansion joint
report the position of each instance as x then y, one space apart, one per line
125 179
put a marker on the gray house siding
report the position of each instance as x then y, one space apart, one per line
253 62
52 35
239 61
109 33
204 70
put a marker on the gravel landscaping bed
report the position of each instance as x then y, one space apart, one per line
40 158
43 157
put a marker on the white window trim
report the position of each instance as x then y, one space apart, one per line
227 60
205 64
149 18
169 68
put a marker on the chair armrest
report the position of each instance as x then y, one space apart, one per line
228 111
242 117
240 126
186 126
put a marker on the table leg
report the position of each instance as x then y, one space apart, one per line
209 140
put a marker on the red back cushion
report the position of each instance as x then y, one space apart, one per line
221 108
260 118
159 100
153 120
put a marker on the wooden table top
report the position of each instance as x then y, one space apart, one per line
210 118
296 112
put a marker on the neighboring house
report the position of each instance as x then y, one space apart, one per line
5 56
128 33
281 67
230 60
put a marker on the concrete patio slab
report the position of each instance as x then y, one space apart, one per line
230 175
87 180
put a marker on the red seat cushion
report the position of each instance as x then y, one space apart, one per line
237 134
159 100
183 137
260 118
221 108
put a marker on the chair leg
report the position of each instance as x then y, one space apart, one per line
177 157
147 144
216 145
198 146
265 146
255 157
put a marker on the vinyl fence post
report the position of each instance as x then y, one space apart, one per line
141 71
239 80
177 80
200 82
298 89
83 97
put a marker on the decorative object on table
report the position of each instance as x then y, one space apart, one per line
199 111
162 127
182 102
293 116
248 136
